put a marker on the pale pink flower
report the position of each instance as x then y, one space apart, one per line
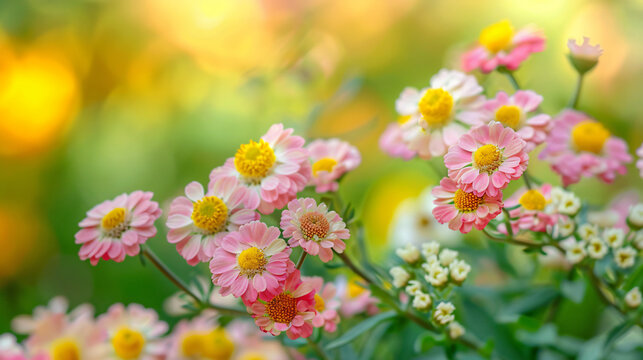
116 228
486 159
579 146
291 310
639 162
392 142
133 332
199 220
435 112
10 349
251 261
500 45
355 299
199 338
533 212
326 304
331 160
314 228
462 209
252 343
514 112
276 168
584 50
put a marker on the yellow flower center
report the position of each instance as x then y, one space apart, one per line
254 160
325 164
320 305
65 349
354 290
210 214
253 356
590 136
128 343
487 158
282 308
113 219
314 226
436 107
403 119
466 202
497 37
597 246
213 345
252 261
509 115
532 200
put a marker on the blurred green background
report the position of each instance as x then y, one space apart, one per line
98 98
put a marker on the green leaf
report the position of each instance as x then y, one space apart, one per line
371 343
635 278
545 336
359 329
615 333
487 349
426 342
573 290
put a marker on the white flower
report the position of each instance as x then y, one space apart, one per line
553 258
430 248
635 217
437 275
638 240
575 251
455 330
431 260
443 313
614 237
459 270
413 288
596 248
408 253
633 298
624 257
447 256
400 276
565 227
567 203
422 301
586 231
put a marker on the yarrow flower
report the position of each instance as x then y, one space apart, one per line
443 313
455 330
251 261
535 211
633 298
199 220
276 168
486 159
291 310
463 209
392 140
500 45
596 248
116 228
584 56
422 301
409 253
513 111
434 112
326 304
635 216
581 147
400 276
331 160
625 257
314 228
574 250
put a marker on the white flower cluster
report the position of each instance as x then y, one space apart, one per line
564 202
596 243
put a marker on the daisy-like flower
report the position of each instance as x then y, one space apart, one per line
500 45
459 270
250 261
326 304
422 301
409 253
314 228
514 112
116 228
614 237
199 338
582 147
447 256
392 140
252 344
625 257
437 276
354 299
463 209
596 248
10 349
565 202
200 220
455 330
400 276
435 112
413 288
633 298
134 332
638 240
574 250
635 216
276 168
536 211
443 313
584 56
639 162
331 160
587 231
291 310
487 158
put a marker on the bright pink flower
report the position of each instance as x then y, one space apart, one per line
392 142
513 111
639 162
486 159
579 146
291 310
314 228
499 45
331 159
462 209
533 212
326 304
251 261
116 228
199 221
276 168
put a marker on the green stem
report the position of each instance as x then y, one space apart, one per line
510 230
322 355
301 259
525 177
573 102
512 79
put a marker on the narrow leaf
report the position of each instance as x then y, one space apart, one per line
359 329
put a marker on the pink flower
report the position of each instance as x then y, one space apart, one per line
115 228
533 212
252 343
585 56
462 209
291 310
134 332
639 162
354 299
276 168
499 45
199 221
314 228
486 159
251 261
199 338
435 112
331 159
326 304
579 146
512 111
392 142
